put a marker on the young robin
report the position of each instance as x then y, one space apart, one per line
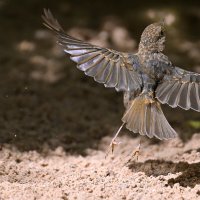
147 78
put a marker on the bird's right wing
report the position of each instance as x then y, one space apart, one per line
180 88
107 66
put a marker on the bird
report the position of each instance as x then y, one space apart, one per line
147 78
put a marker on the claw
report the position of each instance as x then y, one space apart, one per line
113 143
135 154
111 147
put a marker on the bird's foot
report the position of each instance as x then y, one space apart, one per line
112 145
134 155
136 152
114 142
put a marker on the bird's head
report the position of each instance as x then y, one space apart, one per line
153 38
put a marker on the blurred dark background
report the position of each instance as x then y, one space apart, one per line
46 101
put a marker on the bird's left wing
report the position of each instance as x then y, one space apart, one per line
107 66
180 88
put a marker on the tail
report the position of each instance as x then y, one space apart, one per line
145 116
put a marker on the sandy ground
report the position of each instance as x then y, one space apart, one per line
166 170
56 124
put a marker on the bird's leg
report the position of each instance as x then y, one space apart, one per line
113 141
135 152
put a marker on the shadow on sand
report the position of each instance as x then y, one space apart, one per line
189 177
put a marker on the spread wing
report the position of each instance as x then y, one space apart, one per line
180 88
112 68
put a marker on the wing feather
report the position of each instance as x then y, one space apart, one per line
112 68
180 88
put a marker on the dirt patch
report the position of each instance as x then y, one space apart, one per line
164 171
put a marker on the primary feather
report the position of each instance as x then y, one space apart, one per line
107 66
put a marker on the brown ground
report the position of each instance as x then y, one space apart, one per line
168 170
55 123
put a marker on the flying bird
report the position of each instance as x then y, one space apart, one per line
147 78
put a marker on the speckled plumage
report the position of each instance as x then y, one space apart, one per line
147 78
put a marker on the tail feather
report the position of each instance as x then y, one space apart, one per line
145 116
